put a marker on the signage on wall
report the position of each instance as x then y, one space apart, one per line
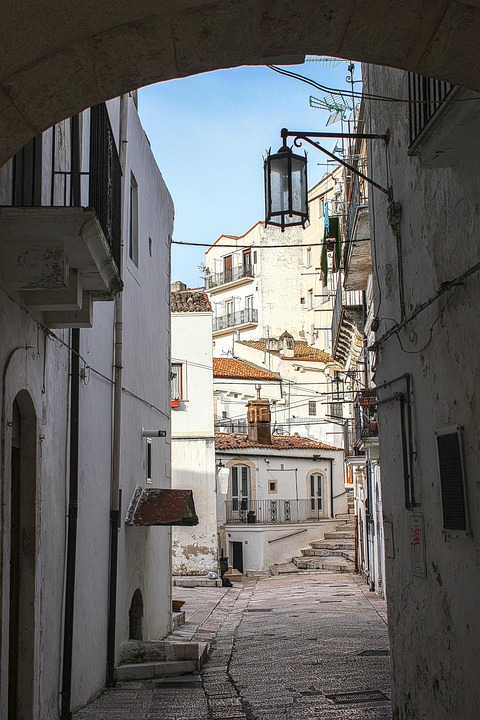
417 545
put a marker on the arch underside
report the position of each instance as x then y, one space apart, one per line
57 58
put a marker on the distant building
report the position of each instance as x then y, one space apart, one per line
283 491
194 549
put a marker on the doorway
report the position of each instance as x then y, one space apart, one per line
237 556
21 655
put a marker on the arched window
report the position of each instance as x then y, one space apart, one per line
135 616
315 491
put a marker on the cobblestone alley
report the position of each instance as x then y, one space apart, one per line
310 645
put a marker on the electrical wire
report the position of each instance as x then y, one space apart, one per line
359 95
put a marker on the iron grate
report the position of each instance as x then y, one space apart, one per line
361 696
374 653
254 610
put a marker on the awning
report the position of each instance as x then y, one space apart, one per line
151 506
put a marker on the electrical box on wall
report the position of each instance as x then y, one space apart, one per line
452 480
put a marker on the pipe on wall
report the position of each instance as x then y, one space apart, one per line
117 427
67 660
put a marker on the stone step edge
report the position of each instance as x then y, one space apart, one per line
150 670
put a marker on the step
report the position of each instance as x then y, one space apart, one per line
334 564
159 669
339 535
234 575
332 545
144 652
328 552
195 581
344 527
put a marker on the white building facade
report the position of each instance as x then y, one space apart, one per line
194 549
84 209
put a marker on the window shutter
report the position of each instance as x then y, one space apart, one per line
452 479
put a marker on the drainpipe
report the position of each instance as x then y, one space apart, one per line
117 427
66 691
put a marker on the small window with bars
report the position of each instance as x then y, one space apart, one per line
312 407
176 378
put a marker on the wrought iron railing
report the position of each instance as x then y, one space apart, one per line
231 426
366 421
426 96
268 512
236 318
227 276
358 197
344 300
64 179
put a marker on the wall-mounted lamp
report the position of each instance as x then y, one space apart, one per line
153 433
219 464
286 191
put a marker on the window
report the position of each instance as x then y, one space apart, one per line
321 207
308 261
254 257
149 460
336 410
302 301
273 486
229 308
247 262
310 299
316 493
176 381
240 487
249 302
312 407
150 246
133 228
227 268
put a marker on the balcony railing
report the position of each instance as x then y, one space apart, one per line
348 308
234 319
71 177
426 96
228 276
231 426
366 422
268 512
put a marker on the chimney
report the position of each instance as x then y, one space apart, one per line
259 417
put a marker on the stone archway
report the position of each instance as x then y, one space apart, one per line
59 58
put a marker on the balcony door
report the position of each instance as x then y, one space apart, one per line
316 495
227 268
230 312
241 489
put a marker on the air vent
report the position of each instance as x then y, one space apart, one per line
452 479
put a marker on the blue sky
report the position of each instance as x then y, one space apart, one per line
209 134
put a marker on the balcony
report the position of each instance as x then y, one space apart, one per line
233 275
234 320
366 422
347 324
273 512
60 222
357 256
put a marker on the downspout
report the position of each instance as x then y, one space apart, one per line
71 559
66 691
117 427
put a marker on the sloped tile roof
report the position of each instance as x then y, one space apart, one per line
190 301
301 351
236 441
231 368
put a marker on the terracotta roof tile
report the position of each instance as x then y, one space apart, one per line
301 350
231 368
190 301
234 441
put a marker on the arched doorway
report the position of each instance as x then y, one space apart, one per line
21 655
122 46
135 617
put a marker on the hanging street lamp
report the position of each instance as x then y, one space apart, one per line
286 191
285 188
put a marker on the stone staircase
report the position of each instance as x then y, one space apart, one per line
335 552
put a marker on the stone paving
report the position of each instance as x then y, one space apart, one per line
291 647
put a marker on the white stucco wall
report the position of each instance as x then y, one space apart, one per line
35 361
193 451
433 616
